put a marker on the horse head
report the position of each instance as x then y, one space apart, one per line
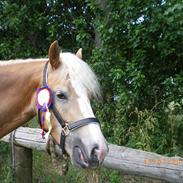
73 85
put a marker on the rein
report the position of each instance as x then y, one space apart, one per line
66 127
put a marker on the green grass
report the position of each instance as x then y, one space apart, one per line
5 163
43 170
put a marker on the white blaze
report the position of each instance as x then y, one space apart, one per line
85 107
83 101
92 130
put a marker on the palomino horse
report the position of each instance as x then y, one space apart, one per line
73 84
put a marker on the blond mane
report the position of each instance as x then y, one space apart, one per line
80 71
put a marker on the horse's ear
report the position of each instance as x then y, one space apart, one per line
54 55
79 53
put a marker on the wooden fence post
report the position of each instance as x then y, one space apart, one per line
23 164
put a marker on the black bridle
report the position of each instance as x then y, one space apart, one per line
66 127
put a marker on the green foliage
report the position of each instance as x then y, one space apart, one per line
22 29
140 66
5 168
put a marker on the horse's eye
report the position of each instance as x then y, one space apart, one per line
62 96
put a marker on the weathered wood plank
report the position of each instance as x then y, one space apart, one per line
143 163
28 137
121 158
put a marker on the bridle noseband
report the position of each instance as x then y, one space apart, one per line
66 127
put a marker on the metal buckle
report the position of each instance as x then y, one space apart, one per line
66 130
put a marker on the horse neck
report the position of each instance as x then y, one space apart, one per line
18 83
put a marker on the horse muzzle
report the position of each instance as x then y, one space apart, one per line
89 157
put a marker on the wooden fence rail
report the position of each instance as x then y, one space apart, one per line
127 160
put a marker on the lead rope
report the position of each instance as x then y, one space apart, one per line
60 163
12 139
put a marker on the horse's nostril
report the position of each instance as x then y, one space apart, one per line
94 152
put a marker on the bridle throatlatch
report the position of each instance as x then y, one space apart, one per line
45 101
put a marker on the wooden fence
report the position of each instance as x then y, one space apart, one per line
127 160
